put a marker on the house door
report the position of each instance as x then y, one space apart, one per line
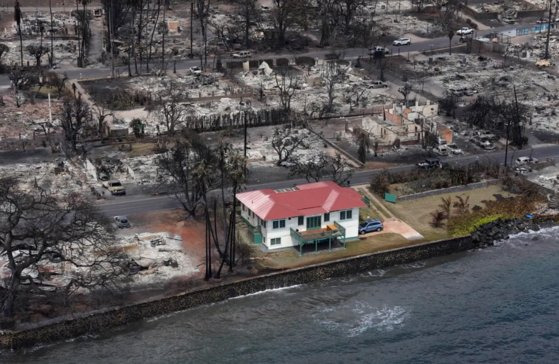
314 222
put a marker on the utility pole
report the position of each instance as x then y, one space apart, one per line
547 55
51 58
516 115
191 27
111 40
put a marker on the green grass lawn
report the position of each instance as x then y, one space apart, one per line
417 213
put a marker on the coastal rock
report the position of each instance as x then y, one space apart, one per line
501 229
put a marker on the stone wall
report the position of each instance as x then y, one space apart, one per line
101 321
454 189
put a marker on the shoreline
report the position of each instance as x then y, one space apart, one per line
99 321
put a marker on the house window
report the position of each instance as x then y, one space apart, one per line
301 220
275 241
345 215
327 217
277 224
313 222
243 207
263 223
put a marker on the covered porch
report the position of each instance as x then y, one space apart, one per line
332 234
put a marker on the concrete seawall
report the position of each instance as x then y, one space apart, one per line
100 321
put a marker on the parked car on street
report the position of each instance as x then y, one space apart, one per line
114 187
486 144
520 161
522 170
378 84
195 70
401 42
441 150
371 225
379 49
453 148
241 54
430 163
121 222
465 31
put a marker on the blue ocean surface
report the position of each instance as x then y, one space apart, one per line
496 305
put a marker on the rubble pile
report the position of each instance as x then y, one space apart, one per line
61 177
65 51
469 75
25 121
261 152
310 95
548 178
142 170
155 257
405 24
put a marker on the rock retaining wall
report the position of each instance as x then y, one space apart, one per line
101 321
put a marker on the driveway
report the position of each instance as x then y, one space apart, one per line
397 226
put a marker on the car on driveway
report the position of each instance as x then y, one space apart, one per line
465 31
121 222
401 42
370 226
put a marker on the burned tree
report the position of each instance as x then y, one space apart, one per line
74 118
347 10
333 74
405 91
40 233
286 82
203 13
283 17
3 50
17 19
171 112
37 51
322 166
249 14
286 141
312 169
188 164
364 143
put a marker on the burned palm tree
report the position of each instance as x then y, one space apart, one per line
17 19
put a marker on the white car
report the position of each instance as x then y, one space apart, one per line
465 31
241 54
401 42
195 70
454 149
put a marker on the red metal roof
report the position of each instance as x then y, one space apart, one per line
303 200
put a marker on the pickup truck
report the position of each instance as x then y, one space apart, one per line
114 187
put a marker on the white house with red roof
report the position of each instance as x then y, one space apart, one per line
313 213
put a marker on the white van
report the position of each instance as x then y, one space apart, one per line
241 54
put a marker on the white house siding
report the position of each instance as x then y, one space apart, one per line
351 226
283 233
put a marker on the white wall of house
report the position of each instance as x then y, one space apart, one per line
284 234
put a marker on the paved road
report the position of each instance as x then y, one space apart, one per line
130 205
349 53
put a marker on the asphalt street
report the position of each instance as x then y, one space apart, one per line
348 53
131 205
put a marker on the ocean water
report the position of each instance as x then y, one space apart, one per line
497 305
